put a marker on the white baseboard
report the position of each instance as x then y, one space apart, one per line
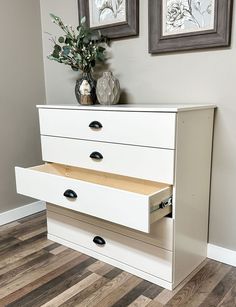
221 254
23 211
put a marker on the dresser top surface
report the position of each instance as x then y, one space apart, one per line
132 107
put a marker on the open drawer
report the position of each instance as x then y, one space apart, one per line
123 200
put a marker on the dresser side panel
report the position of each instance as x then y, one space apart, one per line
191 193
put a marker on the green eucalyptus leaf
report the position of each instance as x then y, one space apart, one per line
61 40
56 54
57 47
66 50
100 56
54 17
68 41
85 40
101 49
83 20
50 57
78 57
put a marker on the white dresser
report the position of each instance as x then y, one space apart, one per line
127 184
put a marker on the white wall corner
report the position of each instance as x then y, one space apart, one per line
23 211
221 254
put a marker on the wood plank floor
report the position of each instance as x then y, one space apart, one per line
37 272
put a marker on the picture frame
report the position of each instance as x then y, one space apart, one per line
118 21
169 33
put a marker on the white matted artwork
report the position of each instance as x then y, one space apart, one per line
187 16
107 12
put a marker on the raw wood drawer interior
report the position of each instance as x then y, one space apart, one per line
134 203
114 181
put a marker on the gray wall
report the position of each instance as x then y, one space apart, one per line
21 88
193 77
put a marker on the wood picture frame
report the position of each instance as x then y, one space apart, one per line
128 26
161 41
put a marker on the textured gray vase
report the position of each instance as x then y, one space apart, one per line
108 89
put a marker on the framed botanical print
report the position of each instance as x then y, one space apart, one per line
115 18
188 24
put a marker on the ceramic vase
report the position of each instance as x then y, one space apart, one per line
85 89
108 89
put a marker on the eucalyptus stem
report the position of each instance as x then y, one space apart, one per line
80 48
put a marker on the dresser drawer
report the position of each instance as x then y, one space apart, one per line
129 202
161 232
155 164
137 128
137 254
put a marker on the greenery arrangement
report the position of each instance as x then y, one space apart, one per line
79 48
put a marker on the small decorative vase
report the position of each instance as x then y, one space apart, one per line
85 89
108 89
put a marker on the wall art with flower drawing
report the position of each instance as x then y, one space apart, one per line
115 18
189 24
106 12
184 16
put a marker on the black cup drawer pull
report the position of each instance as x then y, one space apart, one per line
99 240
70 194
95 125
96 155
